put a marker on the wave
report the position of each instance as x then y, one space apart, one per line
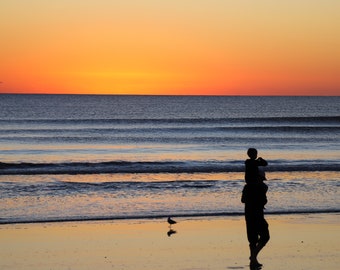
12 190
113 167
24 132
4 221
189 120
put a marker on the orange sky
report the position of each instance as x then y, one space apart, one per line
217 47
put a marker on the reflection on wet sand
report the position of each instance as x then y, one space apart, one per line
171 232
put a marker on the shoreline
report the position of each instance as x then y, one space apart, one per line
158 217
297 241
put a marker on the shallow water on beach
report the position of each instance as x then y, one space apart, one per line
102 157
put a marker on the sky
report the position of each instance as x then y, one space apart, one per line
179 47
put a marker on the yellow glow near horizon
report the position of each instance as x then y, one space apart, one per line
216 47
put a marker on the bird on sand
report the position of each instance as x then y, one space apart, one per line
171 221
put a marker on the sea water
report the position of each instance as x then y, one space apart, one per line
82 157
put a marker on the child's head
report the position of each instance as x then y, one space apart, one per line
252 153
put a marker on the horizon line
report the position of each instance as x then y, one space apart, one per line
165 95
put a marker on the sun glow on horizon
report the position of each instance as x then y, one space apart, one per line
179 47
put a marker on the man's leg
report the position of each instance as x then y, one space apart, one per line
253 238
263 240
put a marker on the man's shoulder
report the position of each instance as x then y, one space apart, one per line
250 161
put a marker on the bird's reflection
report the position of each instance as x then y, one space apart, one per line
171 232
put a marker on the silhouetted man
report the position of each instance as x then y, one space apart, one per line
254 197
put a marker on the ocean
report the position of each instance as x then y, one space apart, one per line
92 157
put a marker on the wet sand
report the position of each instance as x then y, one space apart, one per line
297 242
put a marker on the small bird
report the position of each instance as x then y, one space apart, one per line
171 221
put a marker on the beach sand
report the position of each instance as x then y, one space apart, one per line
297 242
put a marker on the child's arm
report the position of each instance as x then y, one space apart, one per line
261 162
